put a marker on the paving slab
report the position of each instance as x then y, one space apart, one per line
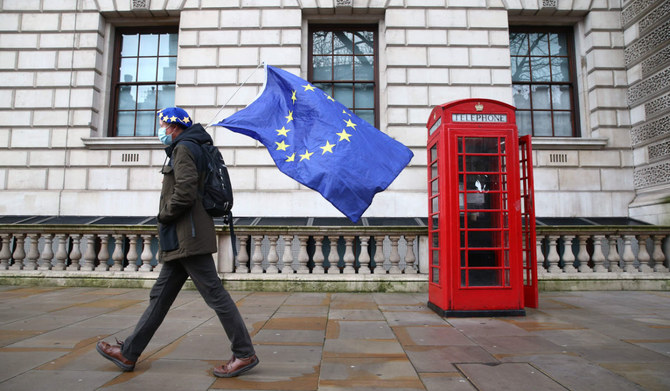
509 376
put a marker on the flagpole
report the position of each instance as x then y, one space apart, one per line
234 93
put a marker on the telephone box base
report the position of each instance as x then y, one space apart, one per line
474 314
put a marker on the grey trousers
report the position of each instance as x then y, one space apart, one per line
170 281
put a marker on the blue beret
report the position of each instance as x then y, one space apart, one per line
177 115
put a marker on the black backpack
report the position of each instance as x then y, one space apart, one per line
217 195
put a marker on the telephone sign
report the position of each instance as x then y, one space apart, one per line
481 218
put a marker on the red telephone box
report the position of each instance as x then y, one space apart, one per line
481 216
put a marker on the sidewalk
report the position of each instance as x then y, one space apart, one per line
600 341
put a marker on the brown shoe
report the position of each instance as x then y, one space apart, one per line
236 366
113 354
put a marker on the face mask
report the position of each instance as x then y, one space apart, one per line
164 137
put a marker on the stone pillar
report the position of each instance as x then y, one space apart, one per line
273 257
147 255
103 254
410 258
643 255
333 256
5 254
364 256
583 255
257 255
132 254
287 257
61 253
379 255
19 252
117 255
349 257
242 256
540 256
47 253
657 255
75 253
395 256
613 256
89 255
318 255
628 256
33 253
303 257
568 254
598 256
553 256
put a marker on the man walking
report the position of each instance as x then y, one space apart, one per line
187 241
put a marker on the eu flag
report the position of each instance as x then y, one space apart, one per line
320 143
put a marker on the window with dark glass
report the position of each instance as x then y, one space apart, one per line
343 63
543 81
143 79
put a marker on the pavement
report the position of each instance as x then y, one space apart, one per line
338 341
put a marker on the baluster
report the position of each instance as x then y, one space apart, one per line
33 253
47 253
613 256
75 253
303 257
349 257
657 255
273 257
132 254
117 255
395 256
598 255
379 255
568 255
159 261
364 256
287 257
333 256
410 258
318 255
89 255
5 254
146 255
540 255
628 256
242 256
643 255
257 255
583 255
553 256
19 252
61 253
103 254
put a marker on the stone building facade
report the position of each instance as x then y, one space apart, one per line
63 153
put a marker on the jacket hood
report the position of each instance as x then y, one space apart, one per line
195 133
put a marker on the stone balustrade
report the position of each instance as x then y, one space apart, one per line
568 257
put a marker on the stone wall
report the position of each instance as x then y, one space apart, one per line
56 59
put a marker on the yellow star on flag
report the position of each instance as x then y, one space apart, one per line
306 155
350 124
308 87
293 98
281 146
344 135
289 117
329 97
290 158
186 120
327 148
346 112
283 131
173 118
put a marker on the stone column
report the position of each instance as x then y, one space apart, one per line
103 254
273 257
333 256
89 254
117 255
643 255
61 253
658 256
349 257
132 254
287 257
19 252
553 256
394 257
318 255
583 255
5 254
146 255
540 256
628 256
379 255
568 254
257 255
613 256
75 253
242 256
47 253
410 258
303 257
364 256
598 256
33 253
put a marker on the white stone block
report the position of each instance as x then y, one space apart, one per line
88 203
600 158
30 138
492 57
419 115
605 58
406 56
50 118
238 56
469 76
3 177
427 3
599 39
287 17
281 56
610 97
6 97
55 177
467 3
253 157
197 57
242 178
195 96
21 5
273 179
487 18
218 76
405 17
617 179
189 38
291 37
637 115
503 93
468 37
395 36
26 179
37 60
56 40
186 77
263 37
142 178
396 75
88 158
26 202
545 179
410 136
18 41
59 5
240 18
431 76
438 95
9 22
14 158
407 96
48 158
501 76
199 19
409 179
631 34
8 60
108 179
426 37
603 20
14 118
447 18
235 95
75 178
579 179
448 56
390 204
396 116
85 59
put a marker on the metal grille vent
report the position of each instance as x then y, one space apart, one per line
558 158
140 4
130 157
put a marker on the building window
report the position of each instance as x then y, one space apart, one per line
343 63
543 81
143 79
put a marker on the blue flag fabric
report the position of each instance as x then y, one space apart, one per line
320 143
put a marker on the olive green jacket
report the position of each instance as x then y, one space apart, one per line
185 228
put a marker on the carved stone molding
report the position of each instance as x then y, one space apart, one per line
657 106
659 151
652 175
651 130
632 11
655 62
659 14
643 46
649 87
